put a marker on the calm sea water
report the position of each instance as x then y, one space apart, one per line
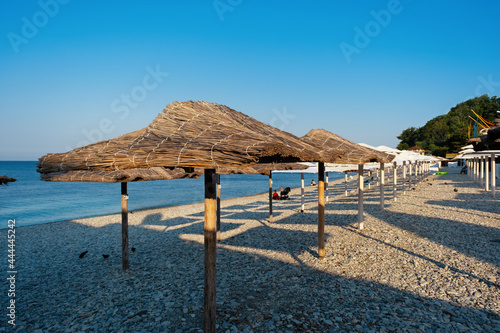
32 201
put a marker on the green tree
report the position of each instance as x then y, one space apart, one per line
447 133
409 136
403 146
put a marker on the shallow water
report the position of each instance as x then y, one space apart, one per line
32 201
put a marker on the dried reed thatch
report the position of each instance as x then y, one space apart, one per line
262 168
160 173
4 180
128 175
342 151
186 134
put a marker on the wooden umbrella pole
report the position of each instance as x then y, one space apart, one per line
360 197
476 168
395 180
326 186
493 175
302 192
125 260
473 169
270 196
345 182
210 304
479 170
481 159
486 178
404 176
382 184
321 210
219 237
409 175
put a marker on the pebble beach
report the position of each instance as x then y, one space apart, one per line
428 262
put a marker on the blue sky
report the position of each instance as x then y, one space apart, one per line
75 71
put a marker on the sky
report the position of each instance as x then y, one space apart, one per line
74 72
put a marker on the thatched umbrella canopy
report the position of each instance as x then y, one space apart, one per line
262 168
157 173
122 176
338 150
185 137
188 134
342 151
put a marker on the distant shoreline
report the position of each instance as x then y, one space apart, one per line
156 208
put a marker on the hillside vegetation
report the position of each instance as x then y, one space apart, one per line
447 133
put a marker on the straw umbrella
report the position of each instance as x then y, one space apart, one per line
336 149
190 135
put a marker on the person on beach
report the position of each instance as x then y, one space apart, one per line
276 195
312 182
284 193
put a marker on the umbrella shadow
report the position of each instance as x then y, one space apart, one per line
255 289
449 233
482 202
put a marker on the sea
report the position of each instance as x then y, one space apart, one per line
30 200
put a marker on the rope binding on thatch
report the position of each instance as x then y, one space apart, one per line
342 150
185 135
